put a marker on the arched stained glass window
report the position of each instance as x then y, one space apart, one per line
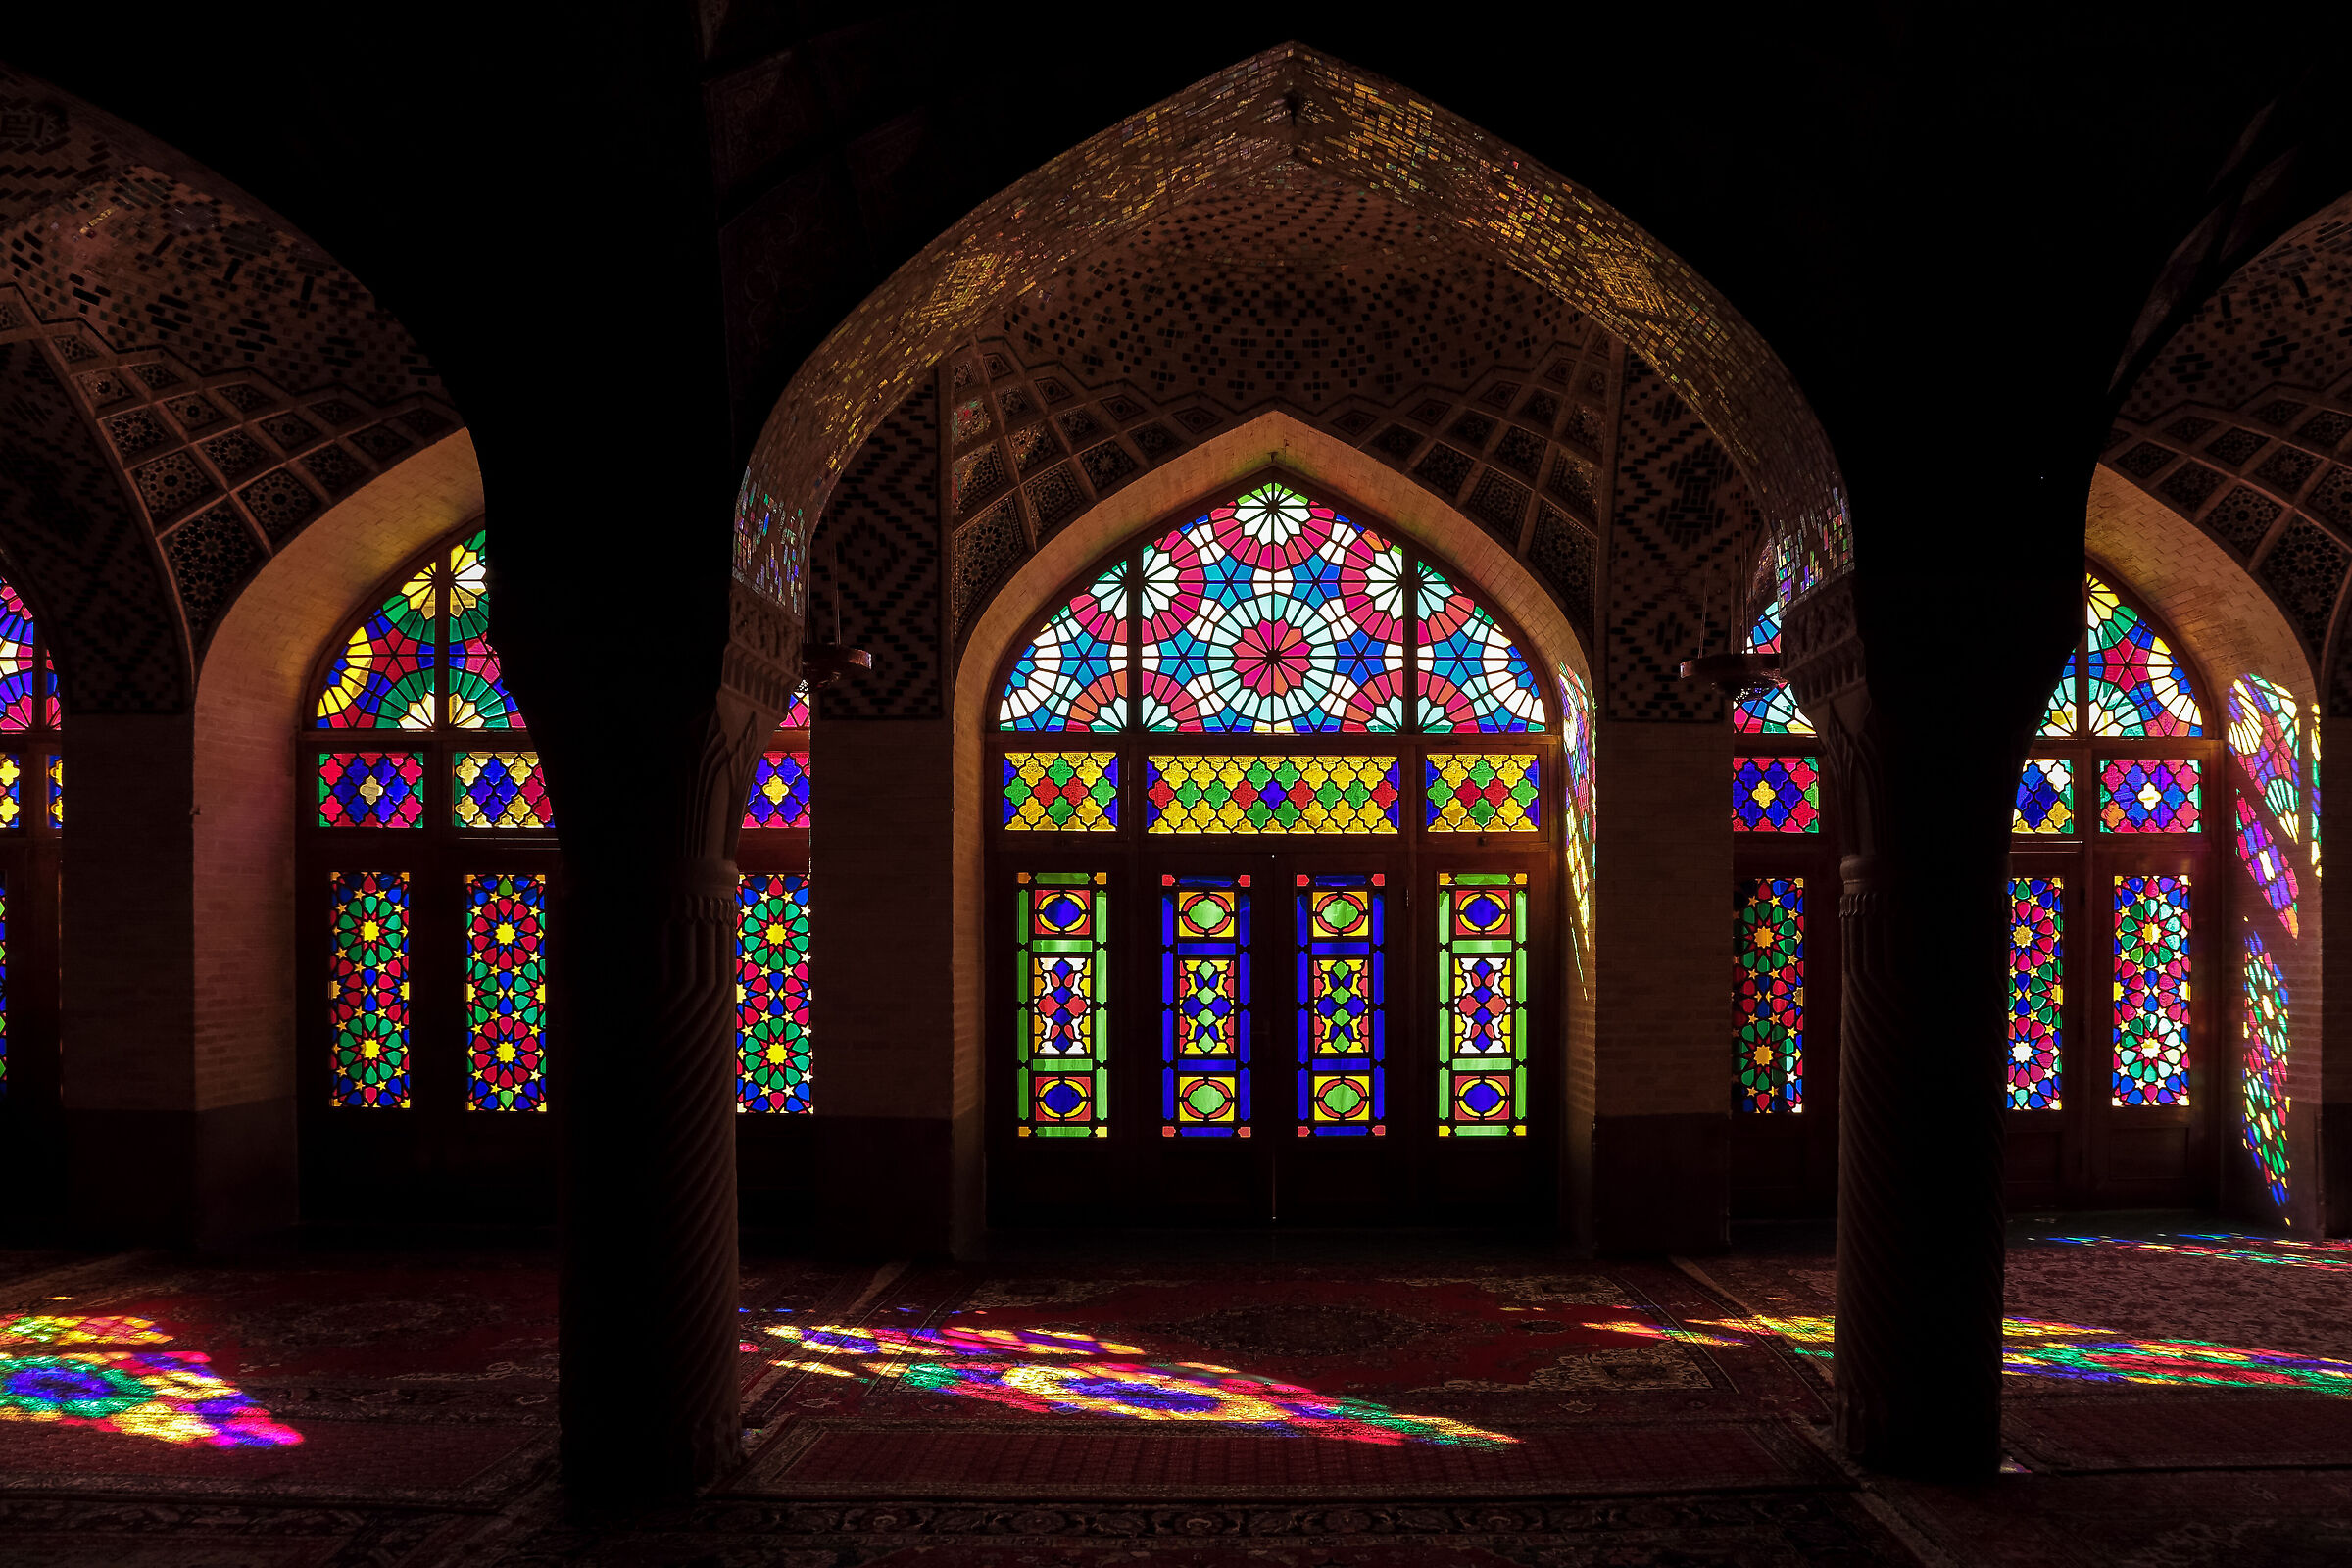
2266 738
1473 676
1074 675
2133 684
1774 711
32 814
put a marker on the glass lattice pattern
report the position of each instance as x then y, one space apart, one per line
1209 792
1482 1004
1062 990
1342 922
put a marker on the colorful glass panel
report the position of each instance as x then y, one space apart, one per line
796 717
1342 1011
383 678
2151 796
1482 1005
772 1055
1209 792
2036 991
2265 737
2267 864
1074 675
1473 792
1772 711
501 789
2262 1075
779 791
2315 789
367 964
478 698
505 991
1769 980
2045 797
18 697
1272 616
1576 756
1205 1006
2062 714
1062 791
1473 676
57 792
57 712
11 785
1775 795
371 789
2151 989
2136 687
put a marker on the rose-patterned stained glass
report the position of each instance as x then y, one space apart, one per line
2262 1071
368 974
1775 795
1772 711
796 717
2150 794
1061 989
1062 791
57 792
1478 792
1205 1006
371 789
1482 1004
505 991
383 676
2136 686
2265 736
2151 989
2045 797
1074 675
2267 864
2062 714
1473 677
2036 991
1272 616
1769 994
1576 757
478 698
12 786
1209 793
772 1055
19 694
1343 1014
779 791
501 789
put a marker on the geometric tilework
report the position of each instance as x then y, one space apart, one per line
883 519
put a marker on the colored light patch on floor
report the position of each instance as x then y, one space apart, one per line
167 1396
2327 1257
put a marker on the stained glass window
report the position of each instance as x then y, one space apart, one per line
506 991
371 789
1772 711
1481 791
2151 989
1074 675
1062 791
771 992
2315 789
2062 714
478 698
383 678
12 784
2136 686
57 792
1769 974
368 973
2151 796
1776 795
1204 997
1576 759
2036 991
1482 1007
1473 676
16 684
501 789
779 791
2045 797
2262 1076
796 717
1273 614
1207 793
2264 737
2267 864
1343 1010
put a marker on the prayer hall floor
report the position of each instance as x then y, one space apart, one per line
2178 1394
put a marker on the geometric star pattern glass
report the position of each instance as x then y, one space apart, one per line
2265 738
1482 1006
1771 710
371 789
2144 795
506 991
1342 1011
2061 716
2151 989
17 686
2262 1076
2136 686
1481 791
771 994
478 698
2036 991
383 677
1769 976
1272 616
1473 677
1204 997
1209 792
779 791
2045 797
1062 791
2267 864
1074 675
1775 795
502 790
367 967
1061 986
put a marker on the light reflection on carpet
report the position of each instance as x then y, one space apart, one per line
171 1396
2334 1257
1044 1372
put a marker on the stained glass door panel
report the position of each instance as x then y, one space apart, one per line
1212 1096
